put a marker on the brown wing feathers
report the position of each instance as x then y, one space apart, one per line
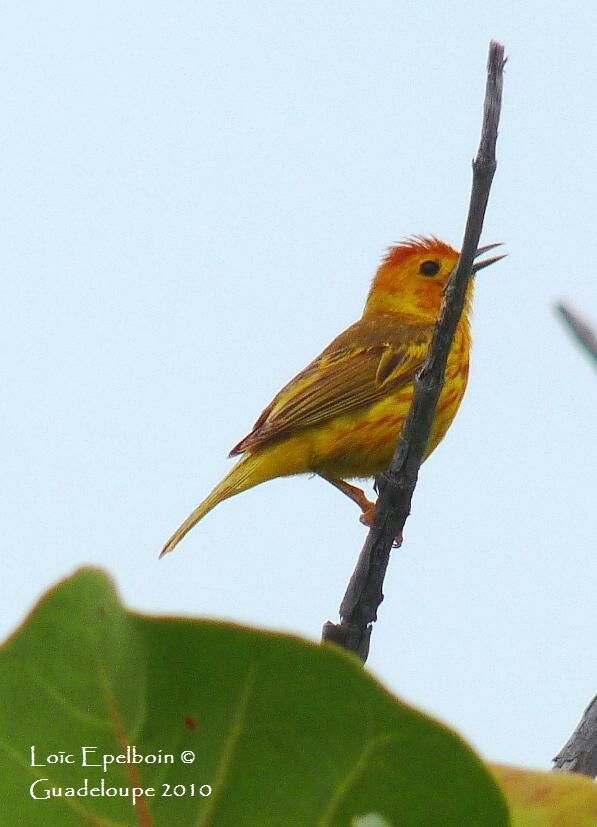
342 378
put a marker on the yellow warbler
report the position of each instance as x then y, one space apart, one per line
341 416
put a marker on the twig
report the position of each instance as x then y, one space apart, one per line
580 330
580 752
364 593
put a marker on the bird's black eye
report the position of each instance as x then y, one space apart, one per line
429 268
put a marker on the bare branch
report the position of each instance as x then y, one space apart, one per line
581 331
580 752
364 593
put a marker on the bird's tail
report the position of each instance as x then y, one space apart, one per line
249 471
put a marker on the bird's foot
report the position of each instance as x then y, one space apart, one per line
368 519
368 515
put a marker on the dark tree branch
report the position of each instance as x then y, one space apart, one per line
580 752
364 593
580 330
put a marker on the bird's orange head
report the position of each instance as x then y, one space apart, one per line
412 277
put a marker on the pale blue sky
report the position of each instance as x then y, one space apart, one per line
195 197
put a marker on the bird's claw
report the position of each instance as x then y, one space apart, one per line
368 516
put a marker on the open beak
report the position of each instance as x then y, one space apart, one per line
479 265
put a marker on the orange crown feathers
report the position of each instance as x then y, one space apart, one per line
396 255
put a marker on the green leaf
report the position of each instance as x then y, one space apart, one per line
283 732
371 820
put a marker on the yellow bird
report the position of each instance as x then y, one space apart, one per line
341 416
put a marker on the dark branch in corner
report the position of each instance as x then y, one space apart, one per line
580 752
364 593
580 330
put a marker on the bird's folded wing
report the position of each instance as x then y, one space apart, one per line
351 373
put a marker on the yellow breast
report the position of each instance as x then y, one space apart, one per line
361 443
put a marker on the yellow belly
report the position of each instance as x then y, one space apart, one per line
361 444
